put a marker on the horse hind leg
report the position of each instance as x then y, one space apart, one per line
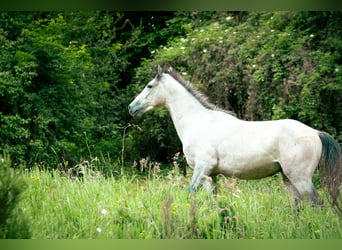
298 160
302 189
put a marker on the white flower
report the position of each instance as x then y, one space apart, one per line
183 40
103 211
228 18
272 55
205 51
312 35
99 230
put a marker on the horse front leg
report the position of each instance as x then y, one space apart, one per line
196 180
200 178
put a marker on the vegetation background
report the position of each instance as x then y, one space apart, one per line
66 79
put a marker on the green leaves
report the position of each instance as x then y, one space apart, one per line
271 65
66 74
12 185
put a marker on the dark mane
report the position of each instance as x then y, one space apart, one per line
203 99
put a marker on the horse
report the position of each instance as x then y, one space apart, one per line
215 142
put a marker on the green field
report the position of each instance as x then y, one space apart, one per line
157 205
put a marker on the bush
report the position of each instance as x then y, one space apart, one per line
12 221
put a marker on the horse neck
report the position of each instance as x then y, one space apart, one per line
185 110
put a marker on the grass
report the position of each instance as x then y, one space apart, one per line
157 206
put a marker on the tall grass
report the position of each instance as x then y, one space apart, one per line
158 206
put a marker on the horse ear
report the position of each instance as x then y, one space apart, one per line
160 70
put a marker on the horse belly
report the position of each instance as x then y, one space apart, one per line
249 171
248 168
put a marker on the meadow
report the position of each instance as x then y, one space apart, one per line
156 205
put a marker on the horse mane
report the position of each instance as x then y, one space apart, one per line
202 98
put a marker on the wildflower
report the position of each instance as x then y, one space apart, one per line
312 35
228 18
140 205
272 55
99 230
184 73
204 51
187 204
103 211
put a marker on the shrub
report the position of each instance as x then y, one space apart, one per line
12 221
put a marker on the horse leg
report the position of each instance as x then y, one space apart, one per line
201 176
301 187
298 169
207 183
293 191
300 191
198 179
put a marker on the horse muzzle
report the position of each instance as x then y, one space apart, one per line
135 110
132 111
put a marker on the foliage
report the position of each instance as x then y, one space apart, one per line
12 223
66 78
262 66
61 84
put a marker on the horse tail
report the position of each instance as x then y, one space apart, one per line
331 170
